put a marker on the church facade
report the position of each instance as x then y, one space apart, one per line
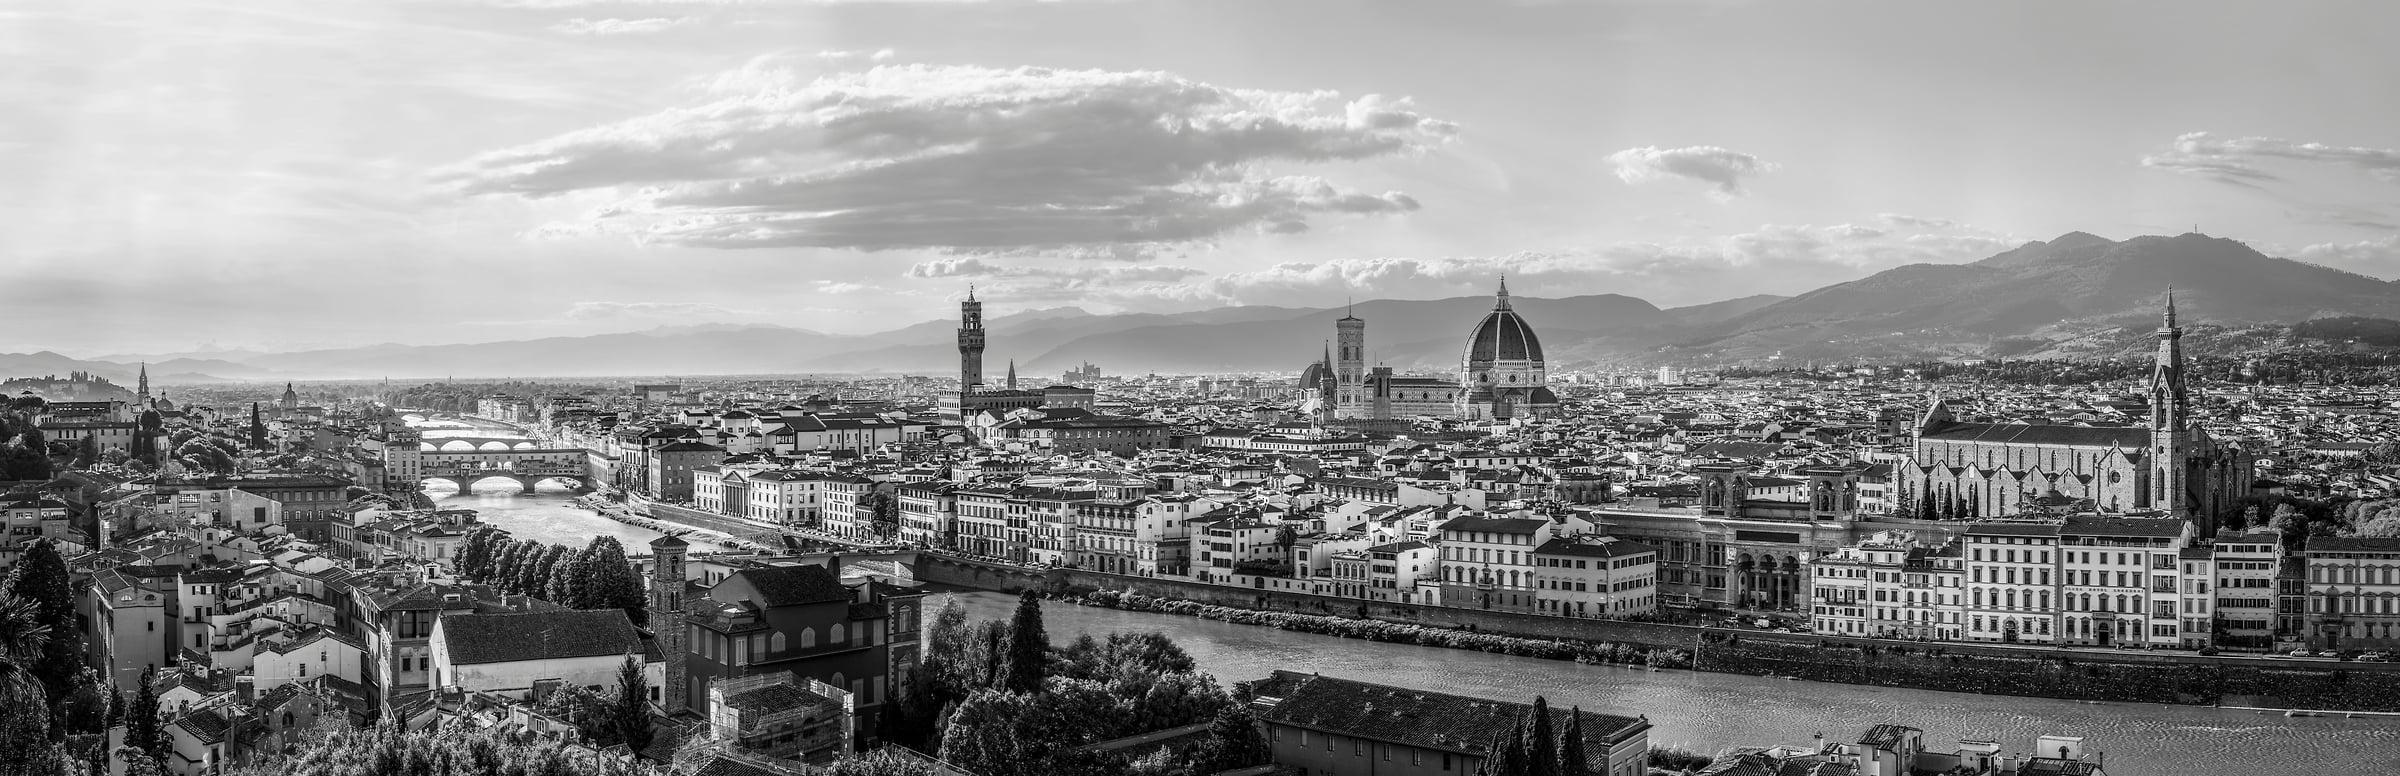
2168 466
1501 375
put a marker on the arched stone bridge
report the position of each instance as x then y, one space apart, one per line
478 443
527 467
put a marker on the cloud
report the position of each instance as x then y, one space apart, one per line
581 26
685 311
2235 160
968 159
1770 259
2379 257
1719 167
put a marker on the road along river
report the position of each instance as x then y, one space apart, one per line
1708 712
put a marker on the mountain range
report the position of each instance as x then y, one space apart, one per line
2030 299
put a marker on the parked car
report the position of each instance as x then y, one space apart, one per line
2375 657
2302 653
2329 653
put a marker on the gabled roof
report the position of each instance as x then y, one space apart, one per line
1420 718
509 638
794 585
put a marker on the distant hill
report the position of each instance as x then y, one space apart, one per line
2079 295
1718 312
2057 288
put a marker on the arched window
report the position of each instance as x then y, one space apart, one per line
808 638
837 680
775 643
836 635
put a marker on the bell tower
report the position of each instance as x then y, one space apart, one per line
970 342
666 617
1350 366
2170 409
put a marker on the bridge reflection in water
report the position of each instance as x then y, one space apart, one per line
1708 712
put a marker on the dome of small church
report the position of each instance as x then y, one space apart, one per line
1503 336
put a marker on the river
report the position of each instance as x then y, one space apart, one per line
547 515
1708 712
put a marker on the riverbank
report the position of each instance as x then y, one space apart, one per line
1588 653
1708 712
1984 669
605 509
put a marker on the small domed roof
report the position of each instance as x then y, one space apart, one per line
1503 335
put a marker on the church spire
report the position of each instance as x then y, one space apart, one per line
144 383
1012 374
1503 296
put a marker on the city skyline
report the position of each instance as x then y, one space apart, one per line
488 167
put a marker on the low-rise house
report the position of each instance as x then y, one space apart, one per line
1320 724
507 654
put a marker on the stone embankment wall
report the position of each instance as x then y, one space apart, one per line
2142 676
2073 675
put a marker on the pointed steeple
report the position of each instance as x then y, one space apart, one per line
144 384
2170 307
1328 362
1012 374
1503 296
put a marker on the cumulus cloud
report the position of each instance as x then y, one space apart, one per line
1770 259
2235 160
968 159
610 311
580 26
2380 257
1722 168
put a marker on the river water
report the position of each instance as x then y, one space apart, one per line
1709 712
547 515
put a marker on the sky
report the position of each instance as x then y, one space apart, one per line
180 175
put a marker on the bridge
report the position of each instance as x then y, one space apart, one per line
478 443
528 467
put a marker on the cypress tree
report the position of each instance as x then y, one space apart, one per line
629 717
994 636
142 723
1541 742
1571 758
1027 662
40 577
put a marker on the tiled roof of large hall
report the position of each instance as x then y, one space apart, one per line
2127 437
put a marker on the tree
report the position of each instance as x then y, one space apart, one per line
1541 743
629 717
608 580
565 583
143 725
24 705
1152 650
1233 742
1572 761
1028 661
1505 755
40 578
881 762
